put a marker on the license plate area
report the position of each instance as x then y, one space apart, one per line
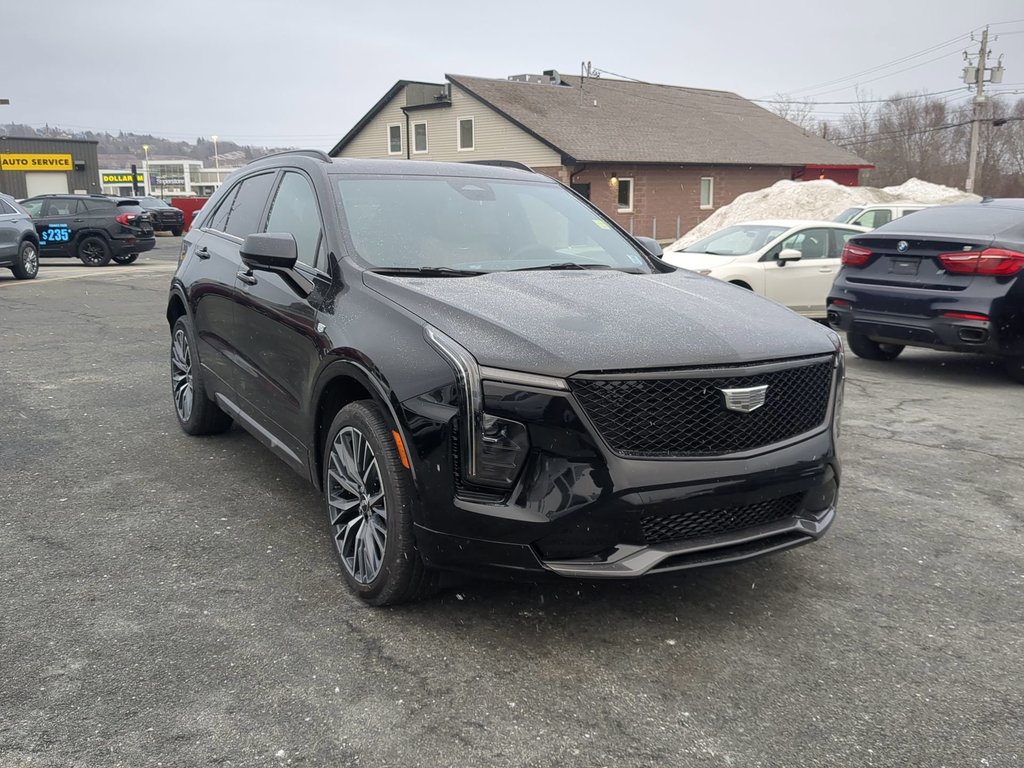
898 266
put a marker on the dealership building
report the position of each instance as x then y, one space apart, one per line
37 166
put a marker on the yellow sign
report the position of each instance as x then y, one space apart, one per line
36 163
120 178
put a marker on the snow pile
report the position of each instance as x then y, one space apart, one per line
821 200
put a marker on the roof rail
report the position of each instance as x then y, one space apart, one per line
502 164
317 154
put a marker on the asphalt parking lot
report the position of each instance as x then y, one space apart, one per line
175 601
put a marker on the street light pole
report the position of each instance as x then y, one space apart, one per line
145 169
216 159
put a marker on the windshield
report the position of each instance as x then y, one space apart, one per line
847 216
479 225
152 202
737 241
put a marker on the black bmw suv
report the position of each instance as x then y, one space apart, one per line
482 372
948 278
92 228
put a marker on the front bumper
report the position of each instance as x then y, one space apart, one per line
578 510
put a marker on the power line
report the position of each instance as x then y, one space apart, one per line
860 101
871 138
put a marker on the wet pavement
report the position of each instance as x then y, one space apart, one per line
174 601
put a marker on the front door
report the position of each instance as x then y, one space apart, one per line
57 222
802 285
278 320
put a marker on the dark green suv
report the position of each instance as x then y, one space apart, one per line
93 228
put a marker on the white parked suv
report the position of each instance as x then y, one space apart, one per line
792 262
876 215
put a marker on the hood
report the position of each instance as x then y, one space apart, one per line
563 322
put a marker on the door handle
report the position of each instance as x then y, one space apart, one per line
246 277
203 252
826 270
78 220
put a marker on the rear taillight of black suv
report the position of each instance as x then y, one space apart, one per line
127 219
996 262
856 256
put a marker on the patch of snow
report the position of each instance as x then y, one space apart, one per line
820 200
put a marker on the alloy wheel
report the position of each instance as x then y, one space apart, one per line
357 505
30 259
181 375
91 252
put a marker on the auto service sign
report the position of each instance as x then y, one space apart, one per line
34 162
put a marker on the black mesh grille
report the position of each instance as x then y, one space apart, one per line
696 524
687 417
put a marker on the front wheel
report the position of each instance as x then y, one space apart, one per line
368 494
26 266
197 413
176 231
94 251
864 347
126 258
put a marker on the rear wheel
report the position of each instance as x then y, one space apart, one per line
94 251
26 266
1015 369
126 258
368 494
864 347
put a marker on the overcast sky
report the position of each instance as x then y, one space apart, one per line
303 72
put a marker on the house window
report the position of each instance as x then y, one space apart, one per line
419 137
625 195
466 137
395 139
707 192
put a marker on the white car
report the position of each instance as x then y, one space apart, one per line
878 214
792 262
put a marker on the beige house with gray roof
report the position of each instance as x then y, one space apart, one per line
658 158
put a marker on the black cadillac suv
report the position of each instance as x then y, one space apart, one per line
92 228
482 372
948 278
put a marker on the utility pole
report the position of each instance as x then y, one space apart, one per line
979 104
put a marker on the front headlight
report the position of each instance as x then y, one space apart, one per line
840 384
494 448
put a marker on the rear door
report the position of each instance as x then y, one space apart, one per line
10 230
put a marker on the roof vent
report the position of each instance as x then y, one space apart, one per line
550 77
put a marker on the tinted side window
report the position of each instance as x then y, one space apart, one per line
62 207
875 218
219 217
34 207
295 210
812 243
250 200
99 205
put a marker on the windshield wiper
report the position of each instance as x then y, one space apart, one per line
563 265
427 271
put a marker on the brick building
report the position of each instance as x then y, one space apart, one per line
658 158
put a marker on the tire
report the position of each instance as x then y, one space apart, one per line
864 347
368 496
126 258
176 231
1015 369
197 414
740 284
93 251
26 267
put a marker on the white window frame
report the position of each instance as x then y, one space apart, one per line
458 133
711 193
632 192
401 139
426 139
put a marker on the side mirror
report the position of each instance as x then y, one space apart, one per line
789 254
651 246
272 251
